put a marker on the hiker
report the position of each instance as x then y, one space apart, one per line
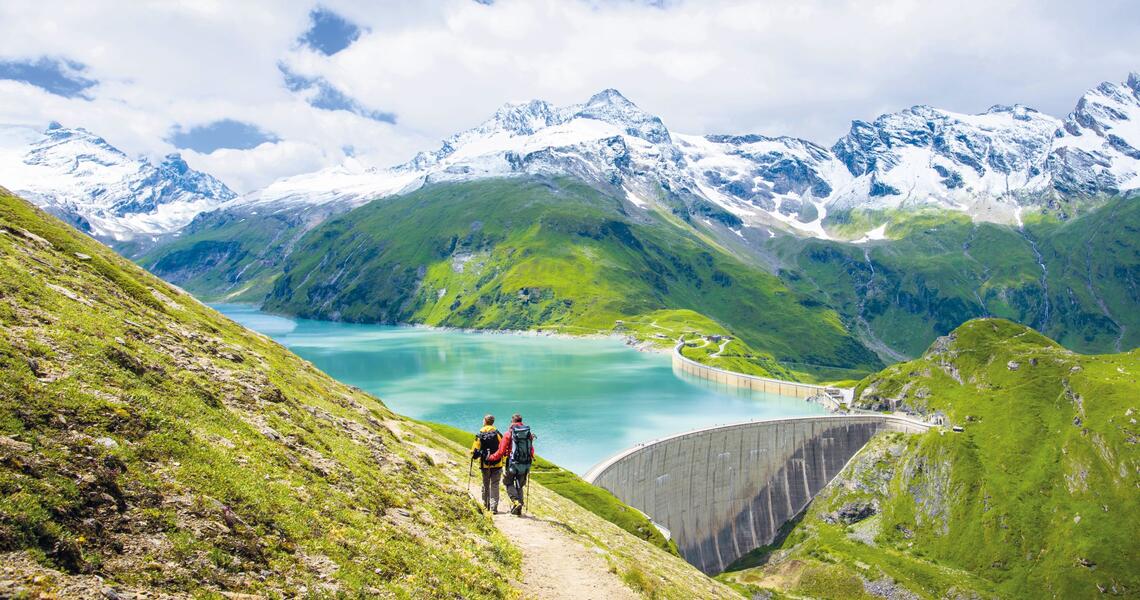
518 449
486 443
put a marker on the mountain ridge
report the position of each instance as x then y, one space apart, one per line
93 185
991 166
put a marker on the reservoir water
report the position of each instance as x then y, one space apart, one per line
585 398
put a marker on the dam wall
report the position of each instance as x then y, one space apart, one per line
688 366
724 491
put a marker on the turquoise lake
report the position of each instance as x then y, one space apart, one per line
587 399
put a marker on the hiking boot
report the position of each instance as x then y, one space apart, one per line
516 509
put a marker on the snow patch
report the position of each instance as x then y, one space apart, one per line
878 233
634 198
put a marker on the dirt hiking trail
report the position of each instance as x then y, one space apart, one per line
555 565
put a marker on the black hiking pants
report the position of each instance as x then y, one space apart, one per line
515 483
491 479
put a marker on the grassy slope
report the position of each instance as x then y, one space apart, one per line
939 270
662 328
145 438
230 256
1094 277
525 253
567 484
1037 498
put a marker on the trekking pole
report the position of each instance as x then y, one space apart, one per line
469 467
529 498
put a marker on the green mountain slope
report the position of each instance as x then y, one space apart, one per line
146 439
939 270
1036 498
528 253
1078 281
232 255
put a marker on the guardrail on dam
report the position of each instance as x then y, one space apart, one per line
723 491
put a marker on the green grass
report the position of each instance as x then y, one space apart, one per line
570 486
1036 498
156 424
663 328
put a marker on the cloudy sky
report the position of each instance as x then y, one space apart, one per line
252 91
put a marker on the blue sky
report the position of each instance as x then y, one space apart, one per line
226 133
54 75
329 32
319 93
257 90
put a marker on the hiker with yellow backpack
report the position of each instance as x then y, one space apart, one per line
517 448
487 442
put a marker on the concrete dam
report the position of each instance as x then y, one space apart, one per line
687 366
724 491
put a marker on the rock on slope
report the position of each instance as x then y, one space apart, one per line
148 440
1037 497
89 183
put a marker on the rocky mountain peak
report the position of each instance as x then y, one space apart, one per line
522 118
612 107
608 96
72 149
176 163
1101 109
1017 111
82 178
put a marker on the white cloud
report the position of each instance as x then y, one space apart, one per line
798 68
250 169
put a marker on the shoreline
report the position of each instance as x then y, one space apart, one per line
626 339
668 348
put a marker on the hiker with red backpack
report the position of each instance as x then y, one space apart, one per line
487 442
518 450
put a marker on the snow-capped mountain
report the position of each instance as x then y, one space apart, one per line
924 155
602 141
991 165
1098 148
80 177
